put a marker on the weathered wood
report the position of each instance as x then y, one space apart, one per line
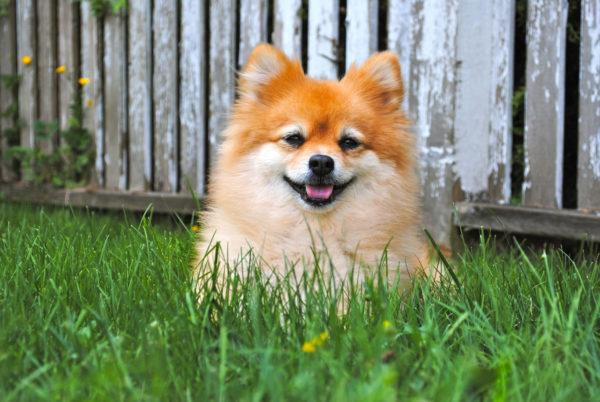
115 97
362 18
399 40
323 37
101 199
500 145
165 94
140 94
92 68
544 103
588 178
221 70
68 56
26 46
46 64
431 102
287 27
192 96
253 26
483 119
527 220
8 67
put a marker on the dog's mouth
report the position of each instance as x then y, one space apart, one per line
318 193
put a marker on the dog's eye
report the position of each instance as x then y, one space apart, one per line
349 143
294 140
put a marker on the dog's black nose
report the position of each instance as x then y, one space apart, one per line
321 164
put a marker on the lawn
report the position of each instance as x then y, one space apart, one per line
100 307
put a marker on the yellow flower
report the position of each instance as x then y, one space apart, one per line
309 347
89 103
84 81
387 324
60 69
319 340
26 60
195 228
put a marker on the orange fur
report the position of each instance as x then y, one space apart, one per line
250 204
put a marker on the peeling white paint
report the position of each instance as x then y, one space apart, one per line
221 70
544 102
361 30
588 179
192 95
400 39
91 67
253 26
473 101
165 88
323 17
594 158
287 32
140 94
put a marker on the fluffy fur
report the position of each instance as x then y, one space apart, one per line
251 201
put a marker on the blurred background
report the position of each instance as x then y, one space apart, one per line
116 104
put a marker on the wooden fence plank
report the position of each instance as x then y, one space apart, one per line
361 30
221 70
399 40
165 93
115 98
482 134
192 96
92 68
544 103
46 63
323 37
547 222
253 26
102 199
433 80
140 94
588 182
26 46
502 61
8 67
287 27
68 56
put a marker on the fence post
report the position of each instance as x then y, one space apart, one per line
165 93
26 46
588 183
432 99
221 70
323 25
192 95
483 137
139 73
362 18
92 68
544 103
287 27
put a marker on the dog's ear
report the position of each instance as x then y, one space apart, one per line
265 65
379 78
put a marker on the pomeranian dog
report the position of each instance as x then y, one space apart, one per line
317 169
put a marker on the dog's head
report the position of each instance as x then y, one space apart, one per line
316 139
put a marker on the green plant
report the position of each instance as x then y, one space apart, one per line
10 134
102 7
68 163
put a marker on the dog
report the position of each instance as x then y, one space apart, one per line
311 168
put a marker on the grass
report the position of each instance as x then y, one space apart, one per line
100 307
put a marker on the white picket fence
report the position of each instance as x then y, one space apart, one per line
163 80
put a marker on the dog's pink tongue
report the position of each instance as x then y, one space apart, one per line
319 192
